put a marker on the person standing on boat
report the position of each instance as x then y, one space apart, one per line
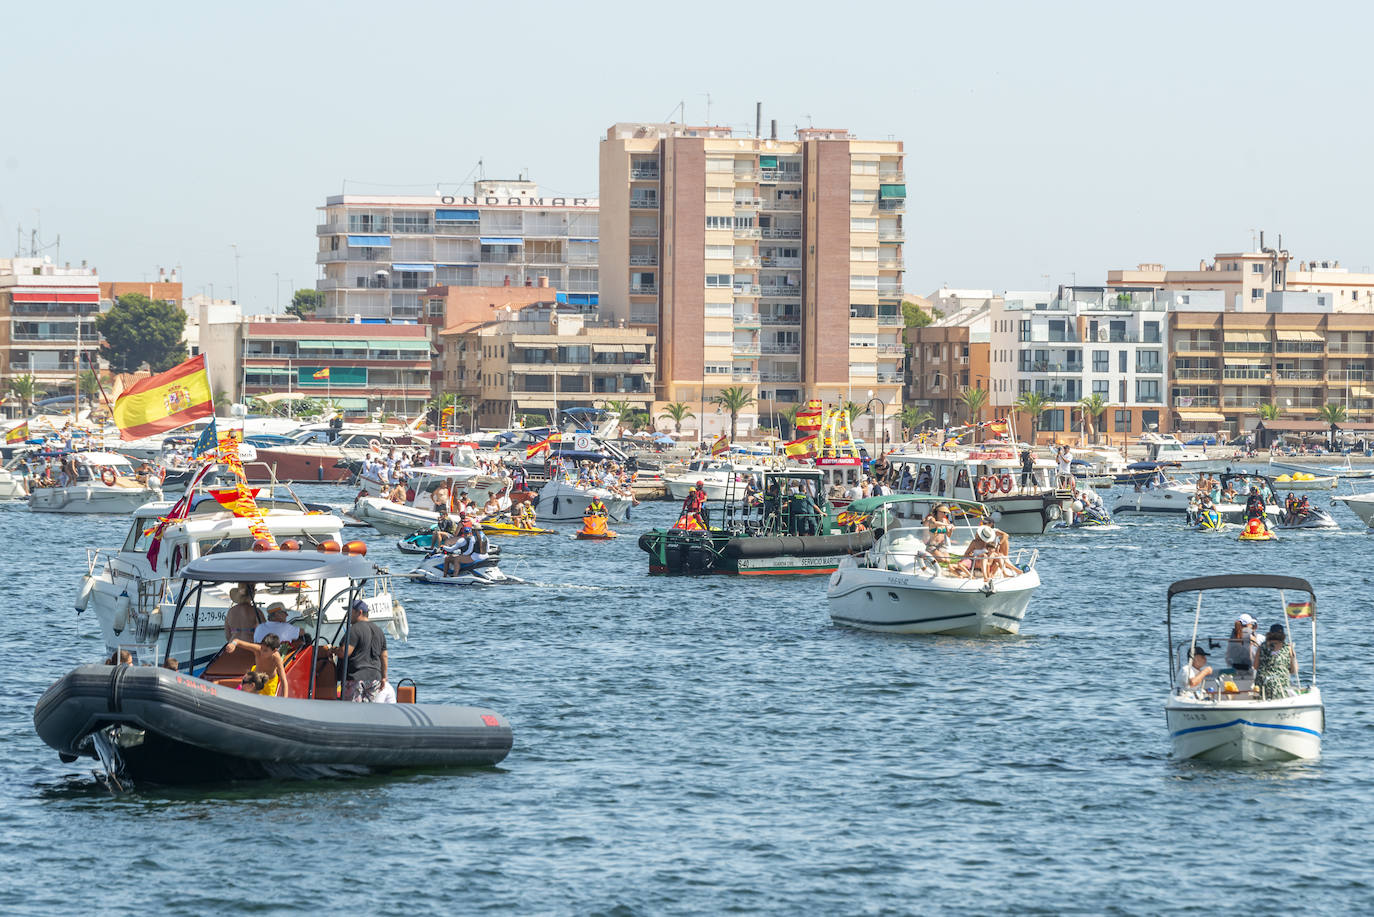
366 660
695 504
1274 664
1240 648
243 616
1027 469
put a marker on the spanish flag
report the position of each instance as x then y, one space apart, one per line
1301 609
799 448
721 445
18 434
320 373
998 427
165 401
809 417
542 445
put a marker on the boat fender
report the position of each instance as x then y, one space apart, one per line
327 547
356 547
1053 512
121 615
262 544
84 596
555 506
107 476
1005 483
1077 506
374 445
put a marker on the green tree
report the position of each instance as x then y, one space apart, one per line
24 389
638 420
434 410
90 385
1332 414
1033 404
1270 411
853 410
915 418
623 408
973 400
679 412
1093 406
139 330
222 402
913 316
733 400
305 303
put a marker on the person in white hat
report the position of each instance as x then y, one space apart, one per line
276 624
1240 649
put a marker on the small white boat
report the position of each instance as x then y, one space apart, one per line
12 485
1346 471
418 511
1165 447
104 483
1223 718
1361 505
718 476
898 587
561 500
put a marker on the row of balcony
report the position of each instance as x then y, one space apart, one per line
1048 366
450 229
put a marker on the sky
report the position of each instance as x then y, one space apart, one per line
1045 142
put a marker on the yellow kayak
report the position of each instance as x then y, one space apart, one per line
507 528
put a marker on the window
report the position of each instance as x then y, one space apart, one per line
863 224
1121 361
726 193
1025 329
719 338
718 369
1257 269
863 195
1147 391
723 252
722 222
720 308
1121 390
1256 293
719 165
719 280
1052 421
1121 421
863 282
1101 361
869 253
1151 333
1102 387
864 167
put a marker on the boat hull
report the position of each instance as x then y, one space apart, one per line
1247 732
185 729
674 552
316 466
562 502
893 602
1361 505
391 518
91 498
1032 515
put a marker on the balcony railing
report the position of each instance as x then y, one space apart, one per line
891 178
786 206
1149 368
1196 401
1046 366
643 203
1298 374
746 232
1351 349
644 260
897 376
747 319
781 233
893 205
1354 375
784 319
644 232
744 376
1300 347
897 350
786 347
891 235
780 377
60 366
890 264
780 292
888 319
643 289
746 261
783 176
770 261
747 203
643 318
87 335
1247 347
1196 373
745 349
746 176
1236 372
457 229
644 173
1199 346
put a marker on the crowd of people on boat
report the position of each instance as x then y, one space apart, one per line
607 474
1270 661
987 555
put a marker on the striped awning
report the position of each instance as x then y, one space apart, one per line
1246 335
1188 416
1287 334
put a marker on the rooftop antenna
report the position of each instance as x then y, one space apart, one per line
1252 240
708 108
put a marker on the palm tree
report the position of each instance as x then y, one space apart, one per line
1270 411
1093 407
733 399
1332 414
853 410
973 399
679 412
623 408
447 402
914 418
24 387
1033 404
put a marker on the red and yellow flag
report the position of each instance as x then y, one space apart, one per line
165 401
721 445
998 427
18 434
809 417
800 448
320 373
542 445
243 505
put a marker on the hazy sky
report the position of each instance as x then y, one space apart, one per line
1041 138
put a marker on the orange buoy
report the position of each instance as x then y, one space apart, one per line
355 547
290 544
262 544
327 547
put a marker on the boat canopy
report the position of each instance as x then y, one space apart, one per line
276 567
1241 581
869 504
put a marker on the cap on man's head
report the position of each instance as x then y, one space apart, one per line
360 605
1199 651
1246 619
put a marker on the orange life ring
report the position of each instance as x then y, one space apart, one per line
107 476
986 484
1005 482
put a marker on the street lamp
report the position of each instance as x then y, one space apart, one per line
882 409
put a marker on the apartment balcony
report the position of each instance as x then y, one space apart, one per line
748 261
746 176
745 350
889 290
890 264
88 336
744 376
747 320
782 348
1352 375
1353 349
644 260
640 317
784 206
644 173
644 232
888 319
779 377
643 289
1301 404
405 311
1044 366
1147 399
747 203
458 229
893 205
896 376
1248 347
59 366
1236 372
770 261
1196 401
891 235
1307 347
746 289
897 350
324 229
643 203
332 257
891 178
780 177
781 233
746 232
1149 369
1193 373
1298 375
780 292
1197 346
780 319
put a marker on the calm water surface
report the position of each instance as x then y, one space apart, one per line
716 745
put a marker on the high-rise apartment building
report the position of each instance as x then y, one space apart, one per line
771 264
47 322
380 253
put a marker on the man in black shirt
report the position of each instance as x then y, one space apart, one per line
366 659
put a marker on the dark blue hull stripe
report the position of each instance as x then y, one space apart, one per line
1184 732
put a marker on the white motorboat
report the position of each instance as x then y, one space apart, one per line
992 477
1180 498
897 586
1167 448
132 594
13 484
104 483
418 512
1224 718
1345 471
1361 505
719 476
561 500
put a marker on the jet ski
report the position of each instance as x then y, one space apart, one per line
1256 530
1312 518
1088 516
594 529
422 542
483 573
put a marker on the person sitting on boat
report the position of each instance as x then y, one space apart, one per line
445 528
1228 493
266 660
1240 648
981 556
466 550
243 616
1254 505
924 479
440 498
492 508
366 660
905 482
398 493
940 528
523 515
141 474
596 508
1275 661
276 624
464 506
1194 672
